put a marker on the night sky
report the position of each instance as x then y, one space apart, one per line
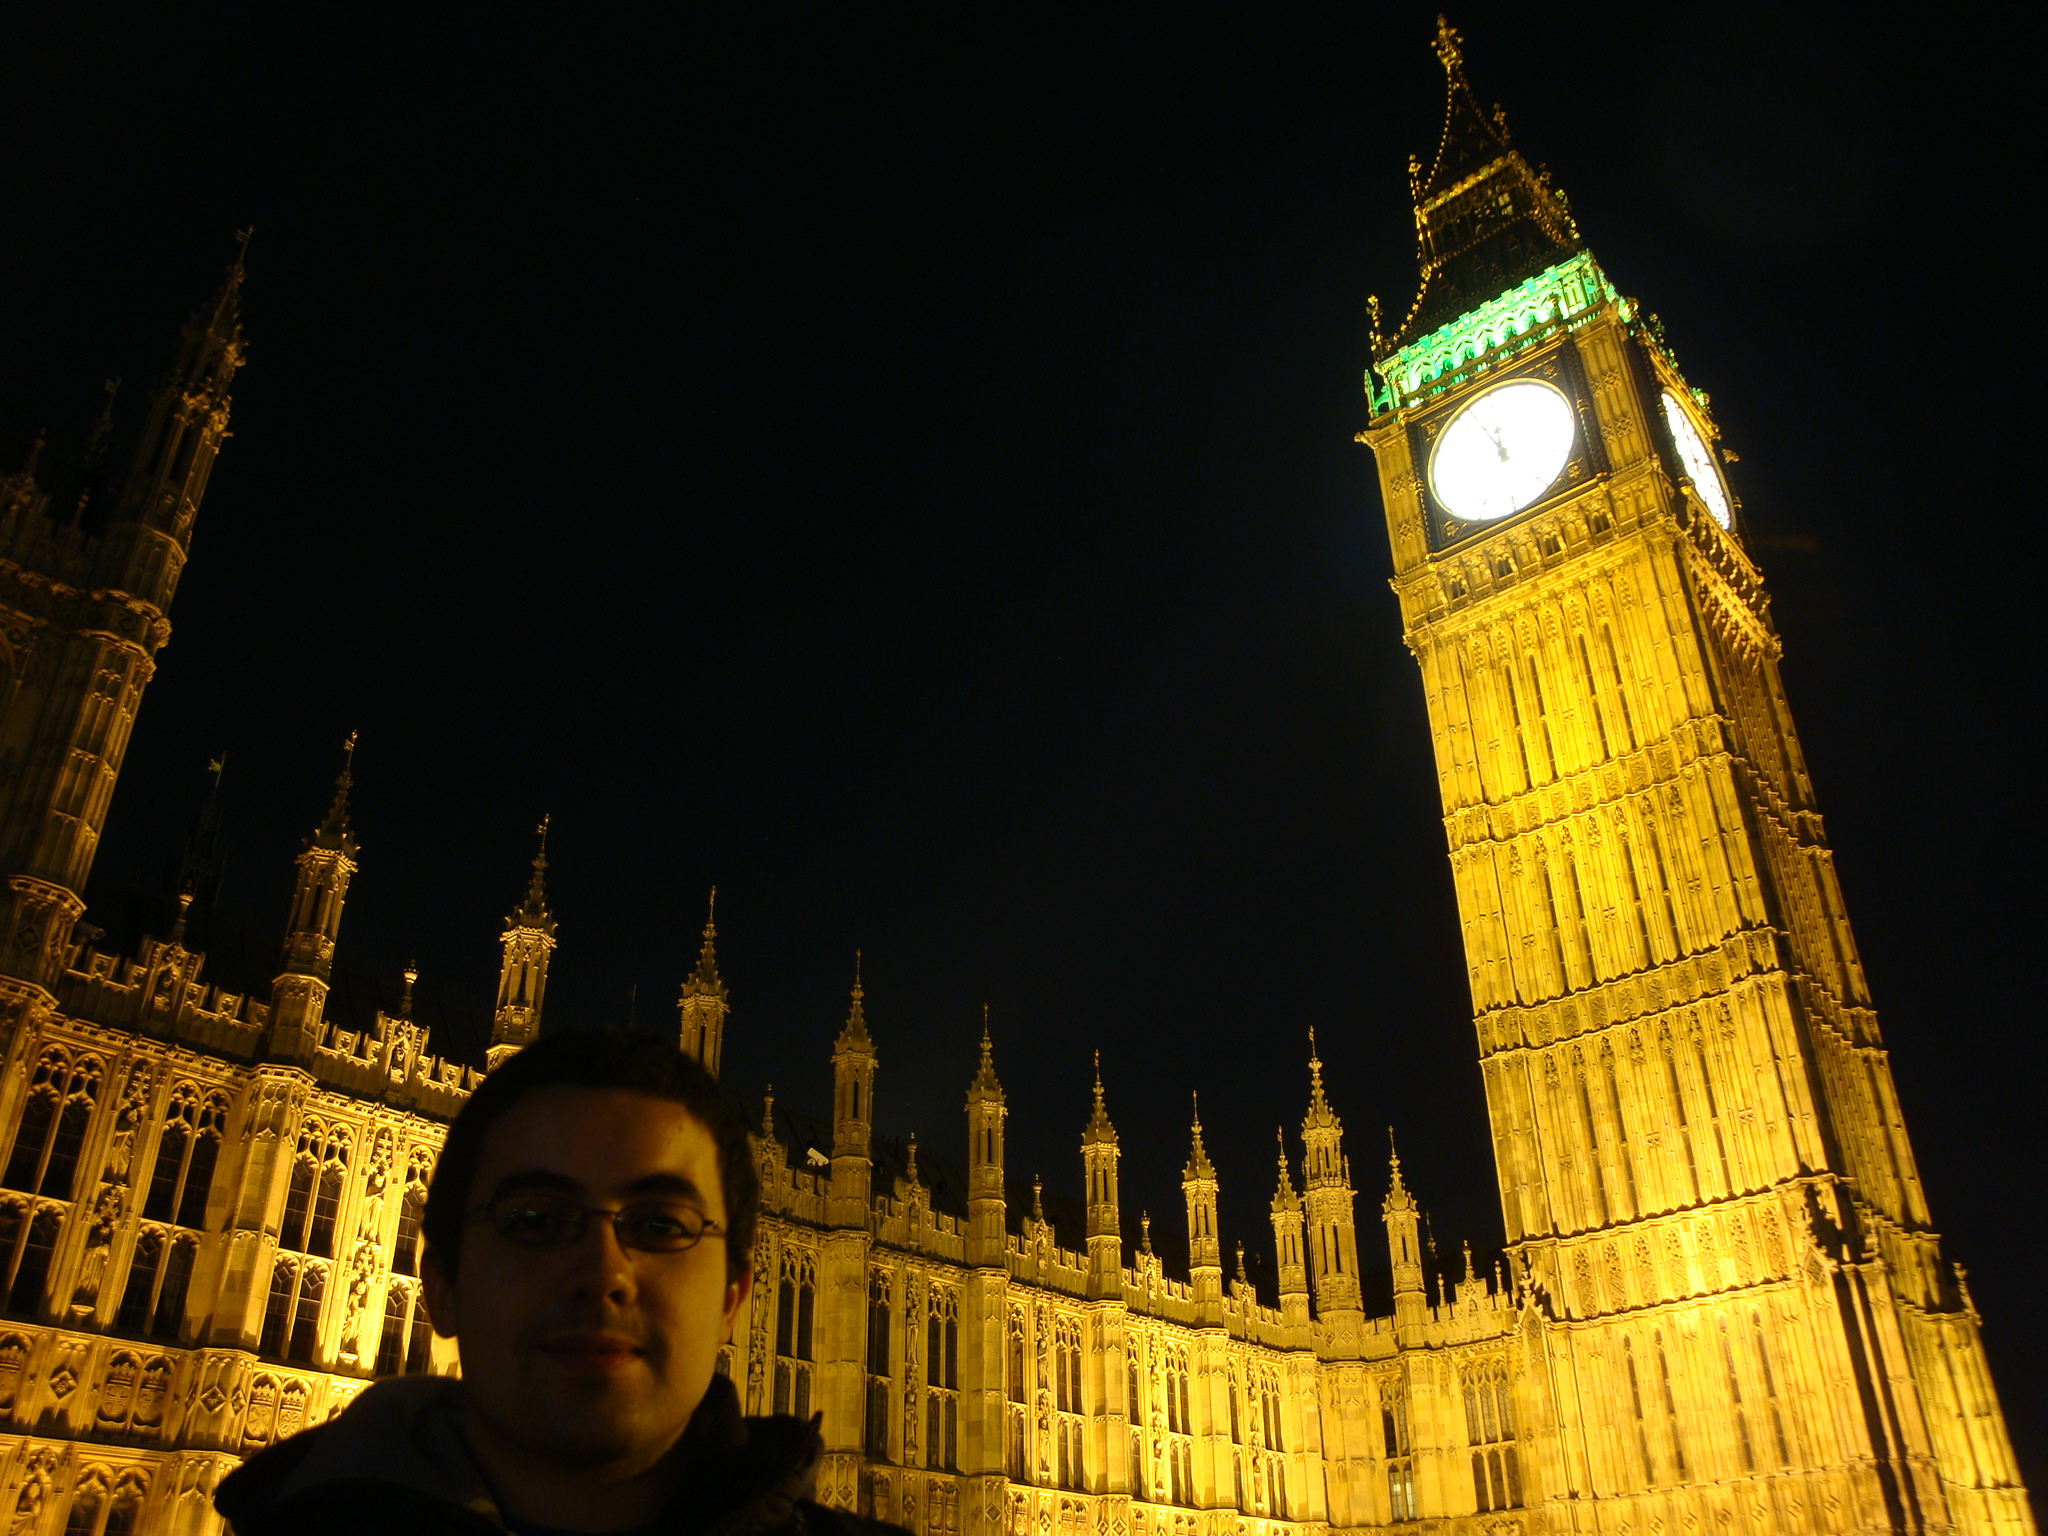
897 466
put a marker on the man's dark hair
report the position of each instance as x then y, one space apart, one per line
595 1058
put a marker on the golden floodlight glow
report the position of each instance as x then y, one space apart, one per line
1503 451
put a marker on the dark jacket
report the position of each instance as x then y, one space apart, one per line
393 1463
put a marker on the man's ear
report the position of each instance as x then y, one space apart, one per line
439 1294
736 1293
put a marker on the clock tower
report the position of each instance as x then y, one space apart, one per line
1739 1310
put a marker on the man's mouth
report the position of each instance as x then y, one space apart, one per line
595 1354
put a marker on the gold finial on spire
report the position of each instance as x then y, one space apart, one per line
768 1112
704 979
1145 1227
1469 1276
1099 1128
334 829
910 1160
985 1076
1037 1198
855 1034
1448 53
411 974
1199 1166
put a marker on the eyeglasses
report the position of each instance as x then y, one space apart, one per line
549 1221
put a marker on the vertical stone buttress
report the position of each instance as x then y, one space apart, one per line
985 1306
1404 1249
1105 1387
529 944
1099 1154
701 1008
1289 1261
298 998
1209 1359
1349 1430
1327 1202
843 1255
83 648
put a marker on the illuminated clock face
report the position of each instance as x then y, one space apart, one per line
1503 451
1697 458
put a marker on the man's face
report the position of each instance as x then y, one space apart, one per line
588 1353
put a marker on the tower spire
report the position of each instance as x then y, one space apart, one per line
1205 1253
529 946
987 1208
1404 1248
1287 1244
1331 1223
1485 220
333 830
298 997
1099 1156
853 1089
703 1003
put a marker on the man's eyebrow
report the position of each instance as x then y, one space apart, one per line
536 1178
664 1184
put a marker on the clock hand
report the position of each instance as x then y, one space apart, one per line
1493 437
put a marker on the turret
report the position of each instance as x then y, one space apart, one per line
529 943
702 1005
150 529
986 1209
1404 1248
1327 1202
298 998
853 1086
1287 1246
1205 1250
92 616
1099 1154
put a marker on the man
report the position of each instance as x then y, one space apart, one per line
588 1241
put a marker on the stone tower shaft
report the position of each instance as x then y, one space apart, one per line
1691 1106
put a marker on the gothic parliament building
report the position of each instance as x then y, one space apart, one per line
1725 1310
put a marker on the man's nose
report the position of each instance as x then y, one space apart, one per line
600 1265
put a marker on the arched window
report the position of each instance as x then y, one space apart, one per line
326 1205
169 1317
126 1508
1014 1374
795 1301
185 1157
277 1310
87 1503
942 1379
313 1200
140 1295
51 1130
879 1413
305 1339
32 1267
298 1203
391 1338
405 1254
173 1148
419 1349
